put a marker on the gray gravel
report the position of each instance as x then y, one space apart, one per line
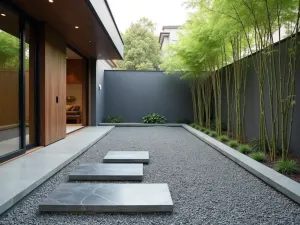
206 187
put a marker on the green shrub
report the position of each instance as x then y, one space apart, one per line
113 119
197 127
154 118
286 167
244 149
184 121
213 134
258 156
233 144
202 129
206 131
223 138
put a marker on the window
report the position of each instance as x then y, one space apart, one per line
18 109
9 82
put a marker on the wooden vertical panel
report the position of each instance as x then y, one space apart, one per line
62 93
42 86
53 85
84 92
75 71
9 98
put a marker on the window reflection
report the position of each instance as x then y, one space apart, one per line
9 82
29 85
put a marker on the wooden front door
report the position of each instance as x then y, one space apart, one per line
53 86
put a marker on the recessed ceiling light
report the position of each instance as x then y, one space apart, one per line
2 14
51 1
90 41
76 27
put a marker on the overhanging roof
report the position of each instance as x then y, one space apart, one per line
162 35
171 27
97 35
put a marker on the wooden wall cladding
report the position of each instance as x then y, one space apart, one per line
84 93
53 86
9 98
75 71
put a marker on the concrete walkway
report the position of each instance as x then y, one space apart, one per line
24 174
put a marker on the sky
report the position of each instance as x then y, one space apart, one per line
161 12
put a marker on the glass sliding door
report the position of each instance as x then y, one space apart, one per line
18 84
9 81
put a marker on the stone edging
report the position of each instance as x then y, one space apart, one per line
281 183
141 124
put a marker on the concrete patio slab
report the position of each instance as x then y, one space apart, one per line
22 175
93 197
107 171
126 157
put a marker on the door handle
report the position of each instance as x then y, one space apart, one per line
56 99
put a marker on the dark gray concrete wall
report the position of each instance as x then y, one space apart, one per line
252 107
133 94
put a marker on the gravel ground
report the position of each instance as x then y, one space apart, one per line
206 187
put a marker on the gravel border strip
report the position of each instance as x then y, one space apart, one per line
281 183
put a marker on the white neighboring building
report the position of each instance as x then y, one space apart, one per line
168 36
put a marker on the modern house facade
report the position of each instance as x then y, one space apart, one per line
169 35
52 55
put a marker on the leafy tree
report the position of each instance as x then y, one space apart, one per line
9 51
142 50
223 32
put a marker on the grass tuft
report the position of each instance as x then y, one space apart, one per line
245 149
202 129
258 156
233 144
286 167
213 134
223 138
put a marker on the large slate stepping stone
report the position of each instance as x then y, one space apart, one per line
107 171
126 157
95 197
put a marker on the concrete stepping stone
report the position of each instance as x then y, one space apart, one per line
107 171
95 197
127 157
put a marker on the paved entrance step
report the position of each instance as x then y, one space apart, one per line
127 157
107 171
94 197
